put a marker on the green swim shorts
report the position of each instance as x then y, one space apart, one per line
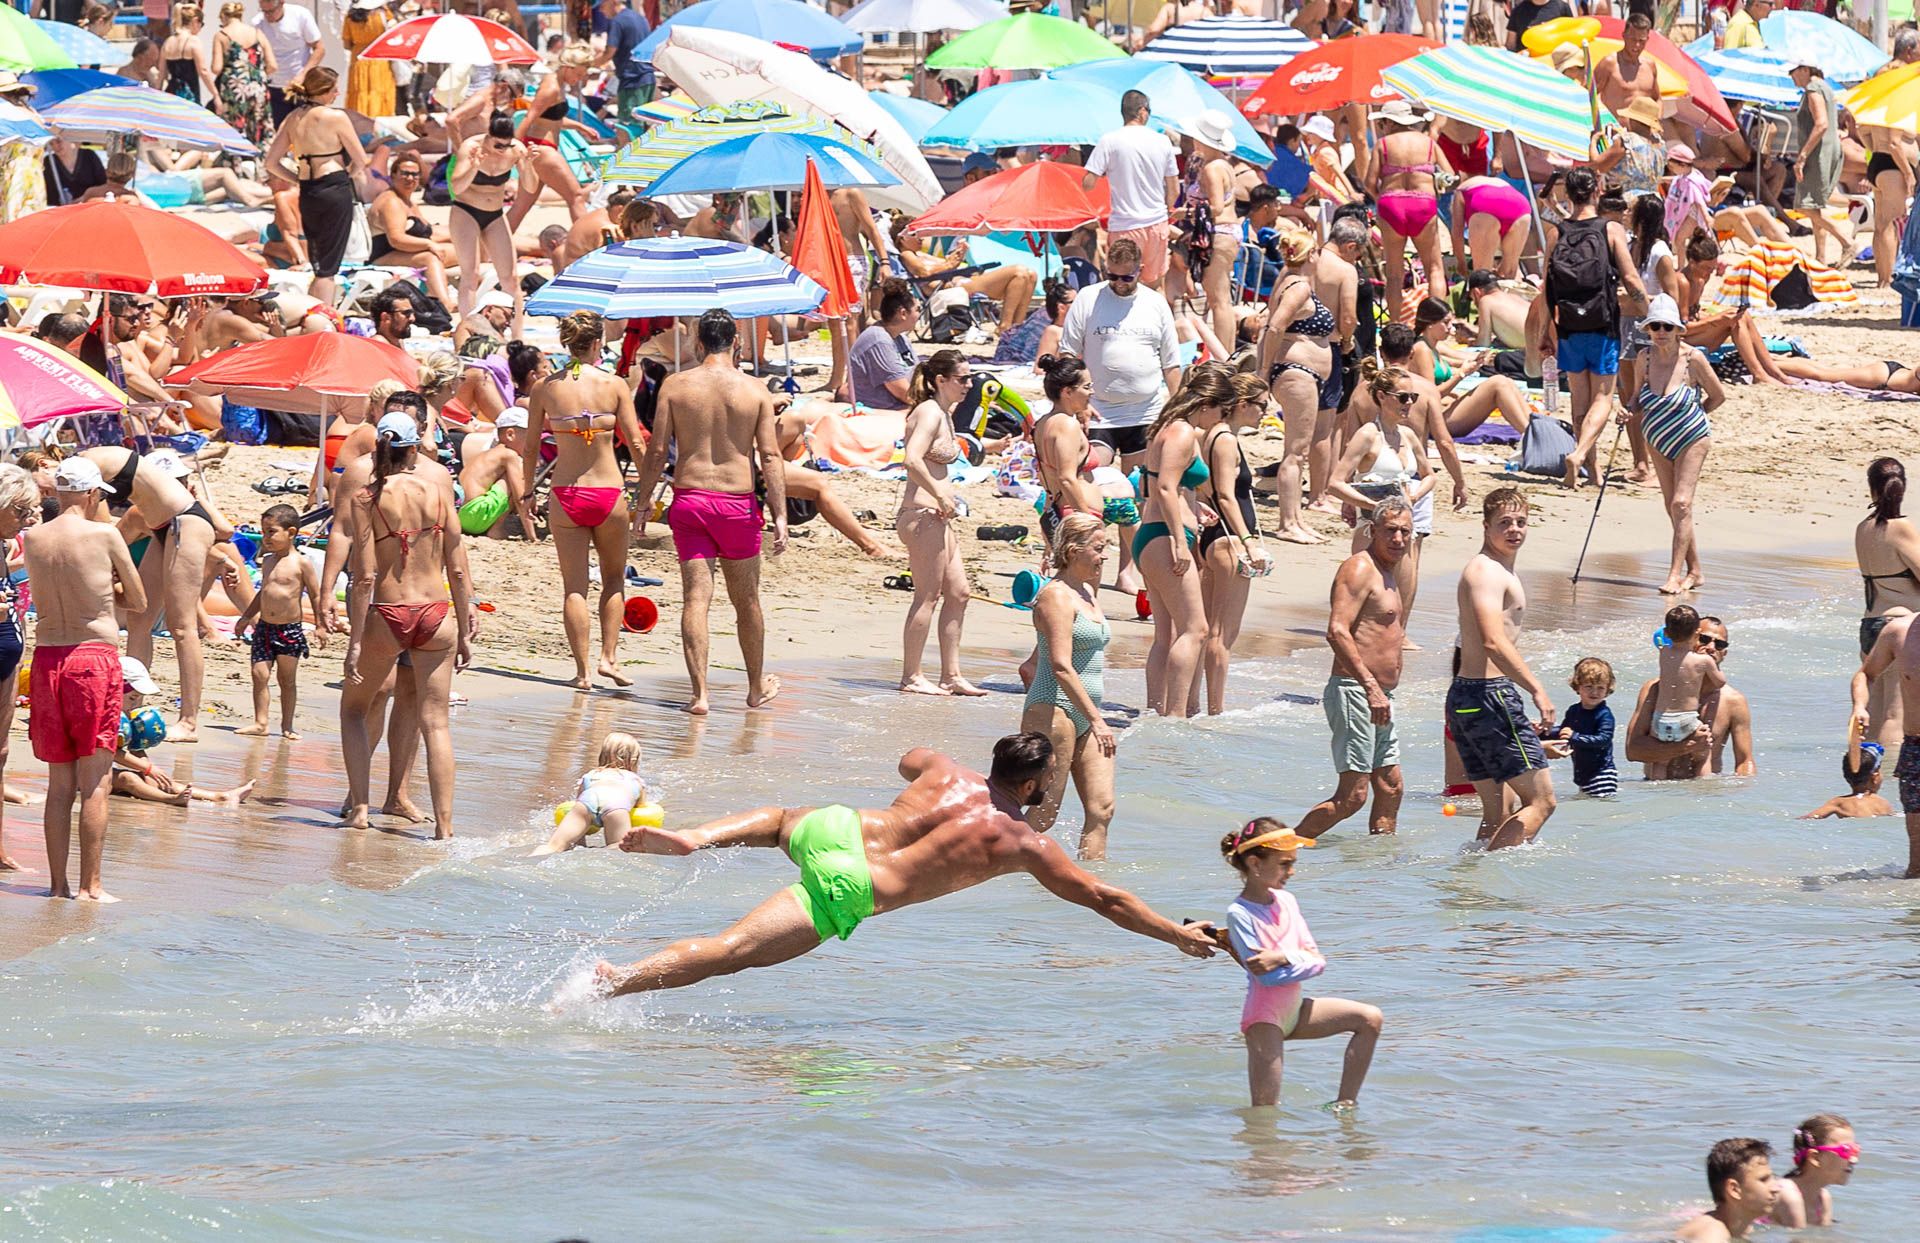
836 888
478 515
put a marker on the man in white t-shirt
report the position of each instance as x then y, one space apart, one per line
1143 178
294 36
1125 334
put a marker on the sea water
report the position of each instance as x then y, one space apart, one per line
290 1032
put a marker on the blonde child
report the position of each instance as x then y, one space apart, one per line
1268 936
1586 731
608 793
279 640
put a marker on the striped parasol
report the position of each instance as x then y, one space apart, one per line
1502 93
19 124
1229 46
84 46
1754 75
653 153
112 112
677 276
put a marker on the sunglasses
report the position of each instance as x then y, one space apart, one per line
1121 278
412 174
1718 645
1663 327
1406 399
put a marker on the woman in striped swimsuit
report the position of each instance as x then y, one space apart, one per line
1678 392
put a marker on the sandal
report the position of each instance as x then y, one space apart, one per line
898 582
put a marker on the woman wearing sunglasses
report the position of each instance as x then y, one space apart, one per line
402 235
1678 390
1386 458
479 184
1824 1154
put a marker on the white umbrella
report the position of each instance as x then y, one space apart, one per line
720 66
921 16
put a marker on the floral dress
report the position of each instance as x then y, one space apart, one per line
242 82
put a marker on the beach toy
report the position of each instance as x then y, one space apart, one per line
1142 605
126 728
645 815
640 615
25 680
1026 588
1448 809
247 544
146 729
1660 638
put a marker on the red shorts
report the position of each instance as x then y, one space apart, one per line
76 695
707 524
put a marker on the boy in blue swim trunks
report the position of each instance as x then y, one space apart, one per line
949 830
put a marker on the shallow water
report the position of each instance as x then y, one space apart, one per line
290 1033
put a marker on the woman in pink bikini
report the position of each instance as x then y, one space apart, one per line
585 408
1408 204
1497 218
404 567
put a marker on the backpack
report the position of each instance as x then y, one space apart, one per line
1582 279
428 314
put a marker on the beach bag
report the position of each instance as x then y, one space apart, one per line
1580 274
1195 228
1794 291
952 316
428 315
359 239
437 193
1544 447
243 425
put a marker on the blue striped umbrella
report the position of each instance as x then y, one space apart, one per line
787 22
113 112
677 276
1232 47
1841 53
86 47
18 124
653 153
1755 75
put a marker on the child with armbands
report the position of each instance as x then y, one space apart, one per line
613 799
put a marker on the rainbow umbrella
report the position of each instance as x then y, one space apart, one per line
40 383
1501 93
113 112
677 276
25 46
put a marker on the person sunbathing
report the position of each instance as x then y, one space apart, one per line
1888 376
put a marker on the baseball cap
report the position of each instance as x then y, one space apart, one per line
399 428
978 162
168 463
512 416
496 298
1680 153
77 474
135 675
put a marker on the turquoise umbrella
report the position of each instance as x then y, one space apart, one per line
1178 97
1019 114
771 161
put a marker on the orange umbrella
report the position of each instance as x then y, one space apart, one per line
1035 198
314 373
1345 71
1680 76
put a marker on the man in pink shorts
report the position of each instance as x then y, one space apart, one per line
721 425
1143 177
81 572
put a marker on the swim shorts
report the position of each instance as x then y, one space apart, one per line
1675 726
1596 352
1491 731
478 515
76 693
1907 770
274 639
707 524
1333 388
1124 441
1359 746
1870 628
836 886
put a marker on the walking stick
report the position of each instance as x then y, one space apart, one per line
1618 428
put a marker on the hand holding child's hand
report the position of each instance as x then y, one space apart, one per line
1268 960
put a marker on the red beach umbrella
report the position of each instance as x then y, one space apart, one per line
1345 71
1035 198
123 247
316 373
452 39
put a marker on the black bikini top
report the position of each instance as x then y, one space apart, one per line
492 179
556 113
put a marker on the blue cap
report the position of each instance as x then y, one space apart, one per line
398 428
978 162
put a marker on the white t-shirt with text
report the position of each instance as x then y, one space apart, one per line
1128 343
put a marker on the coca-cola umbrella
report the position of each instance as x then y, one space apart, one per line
1345 71
315 373
452 39
123 247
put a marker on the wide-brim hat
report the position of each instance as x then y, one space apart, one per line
1215 129
10 84
1402 112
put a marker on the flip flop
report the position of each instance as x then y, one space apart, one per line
898 582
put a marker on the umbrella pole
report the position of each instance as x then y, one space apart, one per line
1539 226
786 345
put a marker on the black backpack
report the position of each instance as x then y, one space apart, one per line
1580 274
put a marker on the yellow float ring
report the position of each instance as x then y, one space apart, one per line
644 815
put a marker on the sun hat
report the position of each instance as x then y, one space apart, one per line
10 84
1320 126
1644 110
135 676
399 428
1662 309
512 416
1402 112
1566 57
77 474
1282 838
1214 129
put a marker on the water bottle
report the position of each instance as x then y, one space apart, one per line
1550 383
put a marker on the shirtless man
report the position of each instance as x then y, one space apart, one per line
949 830
866 247
1335 280
1499 313
593 230
1725 717
1366 627
241 321
719 220
494 482
1498 745
722 426
1629 73
82 573
1892 650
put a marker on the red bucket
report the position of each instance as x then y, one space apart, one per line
641 615
1142 606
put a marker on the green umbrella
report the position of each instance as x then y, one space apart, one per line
1028 41
25 48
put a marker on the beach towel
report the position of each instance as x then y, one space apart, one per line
1749 280
867 438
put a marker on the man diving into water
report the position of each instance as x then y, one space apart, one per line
949 830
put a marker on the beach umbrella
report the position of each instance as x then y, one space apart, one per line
1345 71
1179 96
24 45
120 246
84 47
916 116
451 39
1835 49
19 124
1231 47
921 16
50 86
1026 41
768 161
788 23
1890 100
111 113
41 382
720 66
1035 198
1017 114
313 373
1754 75
654 152
1501 93
1679 75
677 276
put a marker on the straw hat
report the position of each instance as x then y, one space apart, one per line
1645 111
1567 57
1214 129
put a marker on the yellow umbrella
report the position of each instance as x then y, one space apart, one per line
1890 100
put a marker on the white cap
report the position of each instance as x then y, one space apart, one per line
77 474
512 416
135 675
1662 309
399 428
1320 126
493 299
169 463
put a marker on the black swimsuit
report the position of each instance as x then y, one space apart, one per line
482 217
1242 494
119 489
416 227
